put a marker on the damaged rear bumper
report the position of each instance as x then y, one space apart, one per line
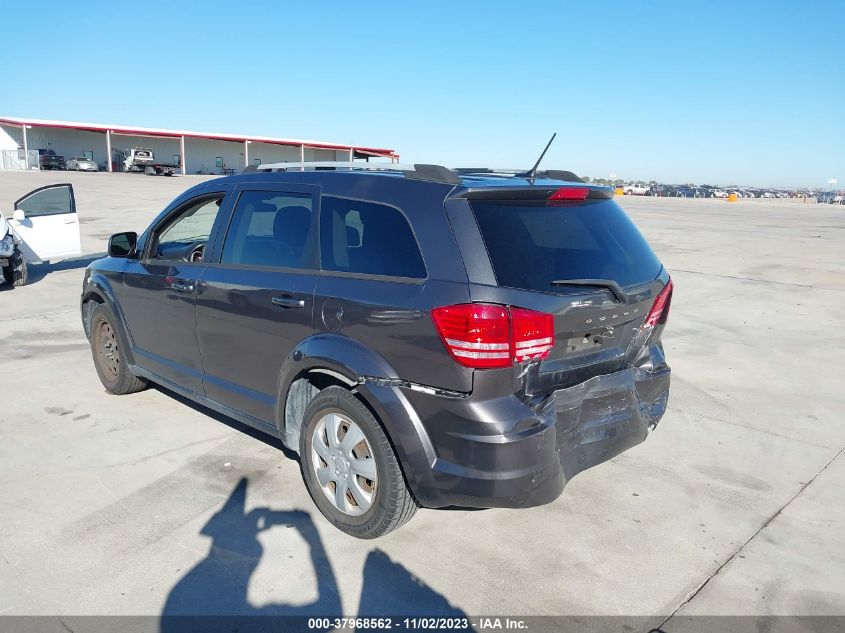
501 452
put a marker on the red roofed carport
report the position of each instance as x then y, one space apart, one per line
180 135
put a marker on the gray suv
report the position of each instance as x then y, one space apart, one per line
419 336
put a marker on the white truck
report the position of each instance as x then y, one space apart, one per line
636 189
142 159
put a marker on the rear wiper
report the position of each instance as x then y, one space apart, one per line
611 285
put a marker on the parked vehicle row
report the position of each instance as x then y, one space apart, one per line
709 191
135 159
49 160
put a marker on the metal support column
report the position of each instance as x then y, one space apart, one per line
182 154
246 153
302 156
108 150
25 147
351 154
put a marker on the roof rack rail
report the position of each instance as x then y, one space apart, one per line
487 170
336 165
434 173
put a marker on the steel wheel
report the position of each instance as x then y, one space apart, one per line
108 355
343 462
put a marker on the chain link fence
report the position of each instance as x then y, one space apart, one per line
19 159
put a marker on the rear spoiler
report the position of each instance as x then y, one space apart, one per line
528 194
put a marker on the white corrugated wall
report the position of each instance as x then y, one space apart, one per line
201 154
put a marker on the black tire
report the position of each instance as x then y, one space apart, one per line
16 274
110 363
393 504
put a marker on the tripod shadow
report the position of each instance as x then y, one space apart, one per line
217 585
216 588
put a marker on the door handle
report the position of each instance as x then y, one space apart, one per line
183 286
288 302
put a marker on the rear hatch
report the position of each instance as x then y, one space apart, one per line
581 259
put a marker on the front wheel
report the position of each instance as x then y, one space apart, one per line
16 273
109 360
350 468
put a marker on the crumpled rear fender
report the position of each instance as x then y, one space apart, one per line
373 379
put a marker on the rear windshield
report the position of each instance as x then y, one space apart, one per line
531 244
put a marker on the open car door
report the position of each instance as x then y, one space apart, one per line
46 222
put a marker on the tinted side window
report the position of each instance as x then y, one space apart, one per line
52 201
270 228
364 237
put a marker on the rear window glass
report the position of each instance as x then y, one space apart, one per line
531 244
364 237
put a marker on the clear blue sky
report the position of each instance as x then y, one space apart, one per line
729 92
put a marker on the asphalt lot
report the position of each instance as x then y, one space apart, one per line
145 505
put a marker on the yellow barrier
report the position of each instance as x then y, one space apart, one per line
732 197
619 191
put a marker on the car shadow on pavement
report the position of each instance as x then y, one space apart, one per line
37 272
261 436
216 588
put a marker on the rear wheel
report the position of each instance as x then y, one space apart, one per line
110 362
350 468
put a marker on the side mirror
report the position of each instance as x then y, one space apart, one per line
123 244
19 215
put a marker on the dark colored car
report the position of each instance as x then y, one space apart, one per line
48 159
419 337
689 192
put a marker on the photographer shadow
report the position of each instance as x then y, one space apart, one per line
213 595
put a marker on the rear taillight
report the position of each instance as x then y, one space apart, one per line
483 335
660 308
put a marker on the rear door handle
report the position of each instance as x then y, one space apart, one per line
183 286
288 302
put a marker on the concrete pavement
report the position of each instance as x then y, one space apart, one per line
144 504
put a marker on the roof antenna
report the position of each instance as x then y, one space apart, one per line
532 173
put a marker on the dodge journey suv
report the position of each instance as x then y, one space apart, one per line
419 336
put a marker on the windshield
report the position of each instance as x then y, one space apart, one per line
531 244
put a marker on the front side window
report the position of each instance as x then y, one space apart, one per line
50 201
368 238
188 230
271 228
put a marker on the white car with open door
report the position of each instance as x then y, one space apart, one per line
44 227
